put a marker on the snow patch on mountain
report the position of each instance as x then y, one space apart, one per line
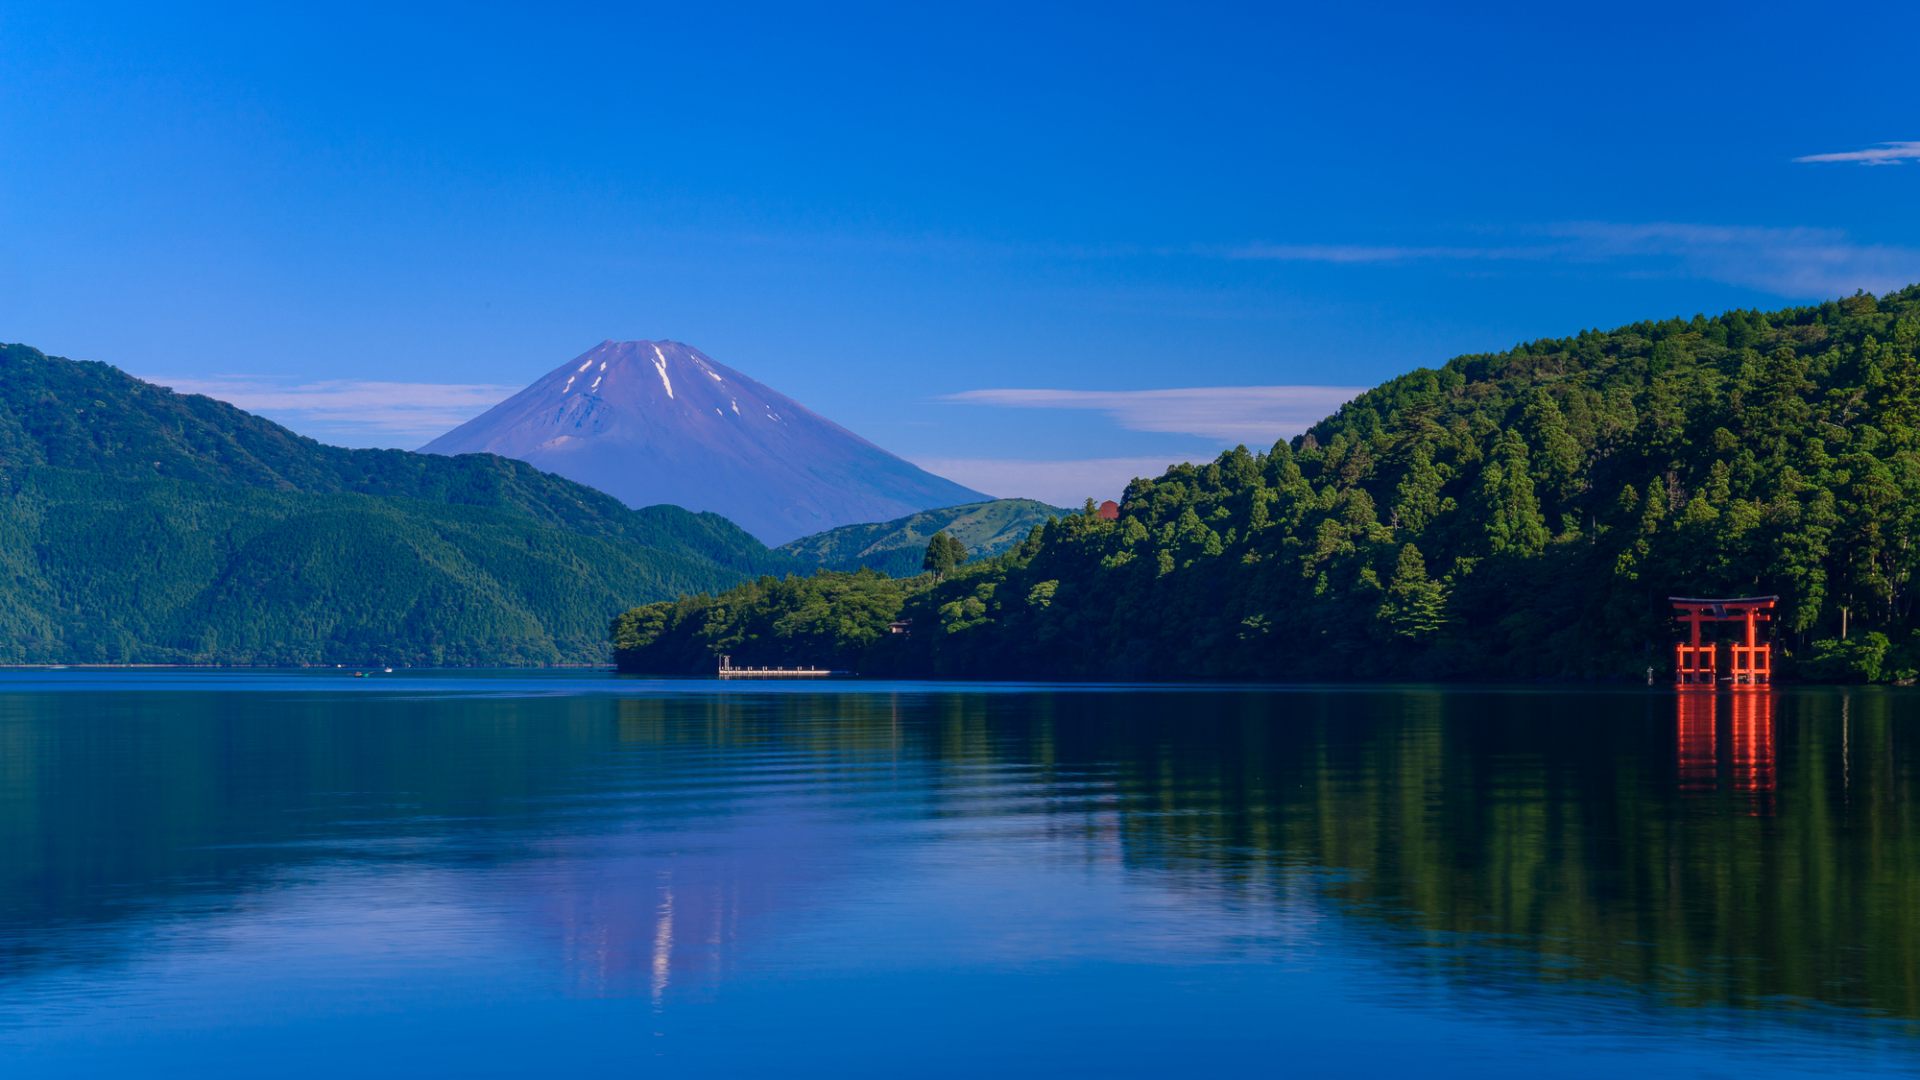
660 362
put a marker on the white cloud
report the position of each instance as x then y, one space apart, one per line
1257 416
1254 415
351 411
1887 153
1802 263
1059 483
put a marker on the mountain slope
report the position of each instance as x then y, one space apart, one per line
1522 514
660 422
896 548
146 526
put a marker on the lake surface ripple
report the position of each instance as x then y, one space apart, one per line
467 874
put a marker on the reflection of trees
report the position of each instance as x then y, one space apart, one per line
114 805
1552 824
1713 853
1723 855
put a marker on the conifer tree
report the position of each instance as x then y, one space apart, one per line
943 554
1557 465
1415 604
1417 498
1513 521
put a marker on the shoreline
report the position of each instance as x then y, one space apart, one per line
850 681
292 667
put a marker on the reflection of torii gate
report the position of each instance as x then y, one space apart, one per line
1697 761
1694 660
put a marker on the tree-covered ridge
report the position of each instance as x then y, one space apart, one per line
1519 514
95 418
144 526
897 547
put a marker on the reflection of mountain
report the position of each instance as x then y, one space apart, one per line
116 810
640 911
114 807
632 918
1501 841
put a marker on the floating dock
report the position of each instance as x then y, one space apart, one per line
728 671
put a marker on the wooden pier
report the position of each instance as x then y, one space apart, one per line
728 671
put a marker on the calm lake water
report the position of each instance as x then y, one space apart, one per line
431 874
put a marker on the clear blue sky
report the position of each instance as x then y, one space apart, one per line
876 208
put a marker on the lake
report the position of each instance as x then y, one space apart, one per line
306 874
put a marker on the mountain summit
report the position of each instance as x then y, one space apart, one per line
660 422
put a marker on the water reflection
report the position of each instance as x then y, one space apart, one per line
1753 766
1697 761
666 848
1698 756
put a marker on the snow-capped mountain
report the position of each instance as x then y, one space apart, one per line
660 422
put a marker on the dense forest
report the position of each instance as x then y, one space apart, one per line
144 526
1509 515
897 547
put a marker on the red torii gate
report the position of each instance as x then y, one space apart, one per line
1694 660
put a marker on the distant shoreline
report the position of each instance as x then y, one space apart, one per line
297 667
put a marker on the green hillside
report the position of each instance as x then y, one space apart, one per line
144 526
1521 514
895 548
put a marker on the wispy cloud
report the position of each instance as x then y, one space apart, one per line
1060 483
1797 262
1384 253
1887 153
1804 263
350 411
1254 415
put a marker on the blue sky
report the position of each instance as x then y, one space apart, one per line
1039 248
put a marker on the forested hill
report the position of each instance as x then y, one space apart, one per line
145 526
1509 515
896 548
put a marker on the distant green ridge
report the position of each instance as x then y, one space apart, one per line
896 547
145 526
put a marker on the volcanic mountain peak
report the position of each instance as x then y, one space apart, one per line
661 422
620 356
661 377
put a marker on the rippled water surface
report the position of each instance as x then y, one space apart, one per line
430 874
